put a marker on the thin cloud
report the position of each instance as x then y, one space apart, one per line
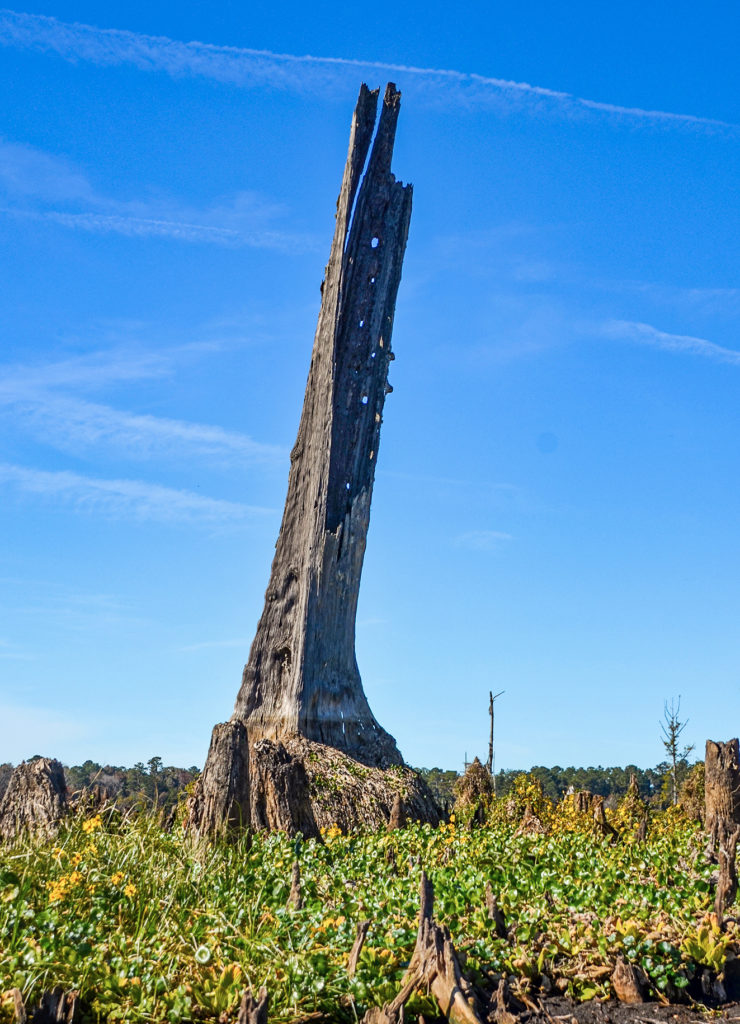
26 171
645 334
38 400
181 231
93 370
34 183
248 68
71 424
12 652
132 499
482 540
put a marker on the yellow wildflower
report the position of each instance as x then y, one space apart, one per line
76 859
92 824
57 851
117 877
130 890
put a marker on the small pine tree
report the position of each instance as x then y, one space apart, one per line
672 727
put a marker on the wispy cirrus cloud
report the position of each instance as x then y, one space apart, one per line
73 424
133 499
483 540
35 184
38 402
645 334
249 68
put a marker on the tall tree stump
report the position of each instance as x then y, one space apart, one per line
302 676
301 683
721 788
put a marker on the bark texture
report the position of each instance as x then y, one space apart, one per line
721 787
298 786
221 802
35 800
302 676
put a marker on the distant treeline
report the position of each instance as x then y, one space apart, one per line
653 783
145 785
155 784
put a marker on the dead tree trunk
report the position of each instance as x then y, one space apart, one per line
721 788
302 676
35 800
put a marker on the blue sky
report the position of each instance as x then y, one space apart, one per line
556 503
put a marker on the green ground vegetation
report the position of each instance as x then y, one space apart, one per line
149 926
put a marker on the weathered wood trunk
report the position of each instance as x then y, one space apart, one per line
301 701
221 802
721 788
35 800
302 676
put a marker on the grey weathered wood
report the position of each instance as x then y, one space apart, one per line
35 800
55 1007
397 817
354 956
251 1010
434 965
721 787
302 676
280 796
221 801
295 896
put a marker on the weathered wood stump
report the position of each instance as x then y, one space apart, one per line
251 1010
220 804
721 787
301 680
628 982
55 1007
434 965
397 817
35 800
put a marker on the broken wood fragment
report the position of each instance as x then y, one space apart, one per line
495 913
55 1007
628 982
354 956
398 814
434 964
499 1012
295 898
251 1010
721 788
601 825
